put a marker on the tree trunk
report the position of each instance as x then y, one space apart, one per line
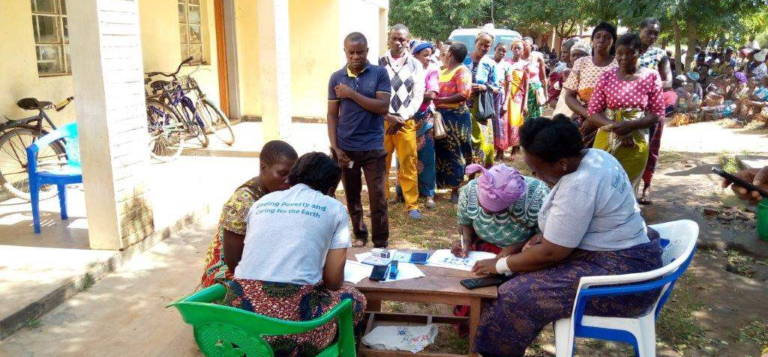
692 36
678 49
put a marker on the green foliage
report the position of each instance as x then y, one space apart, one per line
435 19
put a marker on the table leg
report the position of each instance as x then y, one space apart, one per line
474 320
373 305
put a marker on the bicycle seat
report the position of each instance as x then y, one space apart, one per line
32 104
159 84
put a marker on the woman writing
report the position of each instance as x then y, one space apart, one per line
584 76
425 139
455 150
498 211
483 79
517 87
590 225
293 259
626 102
277 158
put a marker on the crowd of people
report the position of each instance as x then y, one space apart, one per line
448 118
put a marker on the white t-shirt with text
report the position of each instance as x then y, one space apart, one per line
289 234
593 208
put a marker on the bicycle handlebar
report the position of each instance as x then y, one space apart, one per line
59 107
171 75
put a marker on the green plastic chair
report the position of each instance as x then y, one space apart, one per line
225 331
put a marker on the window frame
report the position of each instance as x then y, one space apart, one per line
62 42
185 34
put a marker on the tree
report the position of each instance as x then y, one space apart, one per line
435 19
562 16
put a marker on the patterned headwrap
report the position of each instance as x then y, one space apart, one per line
741 77
583 46
498 188
421 47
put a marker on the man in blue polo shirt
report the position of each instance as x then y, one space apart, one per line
358 99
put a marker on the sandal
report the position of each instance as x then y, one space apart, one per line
359 243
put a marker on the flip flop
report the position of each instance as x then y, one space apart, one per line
359 243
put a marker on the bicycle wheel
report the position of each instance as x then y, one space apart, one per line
166 133
219 122
194 128
13 161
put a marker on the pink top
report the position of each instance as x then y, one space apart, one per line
533 68
643 93
433 83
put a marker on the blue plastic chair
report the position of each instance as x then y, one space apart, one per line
678 240
62 176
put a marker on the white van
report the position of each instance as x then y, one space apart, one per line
468 36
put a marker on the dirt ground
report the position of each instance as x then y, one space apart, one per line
716 308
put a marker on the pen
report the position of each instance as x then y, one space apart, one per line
461 238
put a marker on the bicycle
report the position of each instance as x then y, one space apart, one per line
166 132
196 114
17 135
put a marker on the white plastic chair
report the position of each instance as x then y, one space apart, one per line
678 240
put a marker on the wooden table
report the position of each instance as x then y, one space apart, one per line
439 286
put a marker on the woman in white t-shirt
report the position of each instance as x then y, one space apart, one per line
590 224
292 267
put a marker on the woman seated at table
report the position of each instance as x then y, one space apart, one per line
292 266
590 224
276 158
498 211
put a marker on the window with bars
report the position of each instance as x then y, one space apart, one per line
49 22
190 26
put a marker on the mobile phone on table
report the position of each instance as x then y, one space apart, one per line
739 182
477 283
419 258
379 273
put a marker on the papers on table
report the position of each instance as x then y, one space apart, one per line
407 271
355 272
445 259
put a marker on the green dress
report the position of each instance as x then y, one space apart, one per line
516 225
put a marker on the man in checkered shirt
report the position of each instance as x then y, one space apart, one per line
407 77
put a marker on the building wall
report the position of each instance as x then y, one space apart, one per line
247 29
160 45
363 16
18 66
317 28
314 54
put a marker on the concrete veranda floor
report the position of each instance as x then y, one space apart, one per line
124 314
35 268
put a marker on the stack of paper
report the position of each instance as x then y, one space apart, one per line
445 259
355 272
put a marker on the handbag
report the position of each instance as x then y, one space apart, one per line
485 107
438 126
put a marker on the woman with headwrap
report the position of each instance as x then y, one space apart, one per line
577 50
425 140
556 75
586 72
483 79
517 89
497 213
